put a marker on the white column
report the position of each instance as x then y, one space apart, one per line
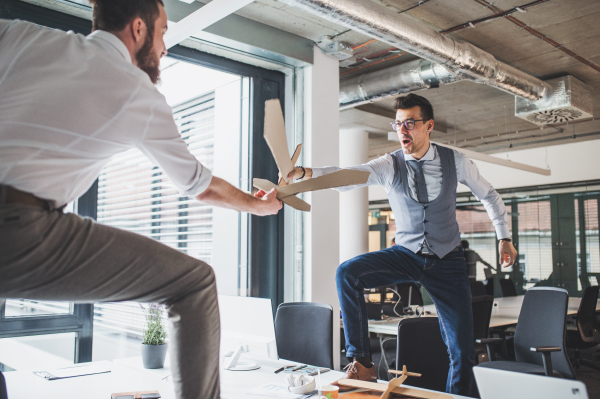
354 204
321 225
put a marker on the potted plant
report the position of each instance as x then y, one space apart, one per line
154 347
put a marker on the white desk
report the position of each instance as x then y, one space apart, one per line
126 376
505 313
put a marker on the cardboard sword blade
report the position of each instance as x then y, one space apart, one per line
341 178
276 139
291 200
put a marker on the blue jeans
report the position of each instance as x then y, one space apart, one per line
445 280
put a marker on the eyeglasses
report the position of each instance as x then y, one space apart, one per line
409 124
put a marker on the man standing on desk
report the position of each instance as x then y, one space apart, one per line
68 103
420 180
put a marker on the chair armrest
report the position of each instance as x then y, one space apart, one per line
486 341
544 349
546 352
489 343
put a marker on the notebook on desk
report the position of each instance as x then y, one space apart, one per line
500 384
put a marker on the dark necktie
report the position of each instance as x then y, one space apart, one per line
420 186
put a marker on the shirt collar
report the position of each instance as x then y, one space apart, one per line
110 41
429 155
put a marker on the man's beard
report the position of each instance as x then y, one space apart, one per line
147 59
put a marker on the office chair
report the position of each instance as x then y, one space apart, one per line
3 392
421 349
507 286
482 314
477 288
539 337
304 333
587 334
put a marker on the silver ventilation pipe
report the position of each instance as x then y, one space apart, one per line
410 76
459 57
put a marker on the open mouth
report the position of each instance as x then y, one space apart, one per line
405 142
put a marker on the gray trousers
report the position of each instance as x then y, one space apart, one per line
48 255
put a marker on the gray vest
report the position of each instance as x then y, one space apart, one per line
433 223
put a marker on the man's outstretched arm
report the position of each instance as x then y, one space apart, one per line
222 194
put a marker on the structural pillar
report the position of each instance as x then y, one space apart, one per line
354 204
321 224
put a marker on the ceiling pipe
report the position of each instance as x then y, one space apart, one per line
460 58
403 78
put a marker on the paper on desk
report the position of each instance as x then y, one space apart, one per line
75 371
276 391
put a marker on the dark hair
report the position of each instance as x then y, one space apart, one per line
413 100
465 243
114 15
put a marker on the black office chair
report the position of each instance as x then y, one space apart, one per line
587 334
507 286
304 333
477 288
421 349
539 337
482 314
3 392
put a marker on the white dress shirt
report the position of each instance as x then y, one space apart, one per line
382 173
68 103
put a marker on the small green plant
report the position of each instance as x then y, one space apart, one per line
154 331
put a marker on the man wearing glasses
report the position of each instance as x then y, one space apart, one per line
421 180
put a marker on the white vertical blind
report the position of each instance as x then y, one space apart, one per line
137 196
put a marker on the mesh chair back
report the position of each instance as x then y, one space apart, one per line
304 333
508 287
542 322
422 350
3 393
477 288
482 314
586 315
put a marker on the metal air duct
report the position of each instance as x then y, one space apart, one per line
460 57
411 76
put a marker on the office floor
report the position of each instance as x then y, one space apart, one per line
590 377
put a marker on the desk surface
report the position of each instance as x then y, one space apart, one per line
127 376
505 313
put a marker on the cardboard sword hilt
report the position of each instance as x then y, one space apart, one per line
276 139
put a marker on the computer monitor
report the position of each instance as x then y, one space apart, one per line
247 322
501 384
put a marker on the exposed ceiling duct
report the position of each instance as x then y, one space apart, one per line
461 58
410 76
571 100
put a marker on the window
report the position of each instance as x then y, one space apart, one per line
210 109
477 228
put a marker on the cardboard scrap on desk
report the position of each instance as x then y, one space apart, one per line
375 390
135 394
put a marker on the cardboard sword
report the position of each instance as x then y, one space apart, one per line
276 139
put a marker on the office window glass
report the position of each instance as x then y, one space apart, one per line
211 111
589 233
477 228
535 241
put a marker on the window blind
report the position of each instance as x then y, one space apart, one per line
137 196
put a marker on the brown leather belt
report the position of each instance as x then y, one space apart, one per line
9 195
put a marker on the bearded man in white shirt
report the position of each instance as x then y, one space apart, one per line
68 104
420 180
